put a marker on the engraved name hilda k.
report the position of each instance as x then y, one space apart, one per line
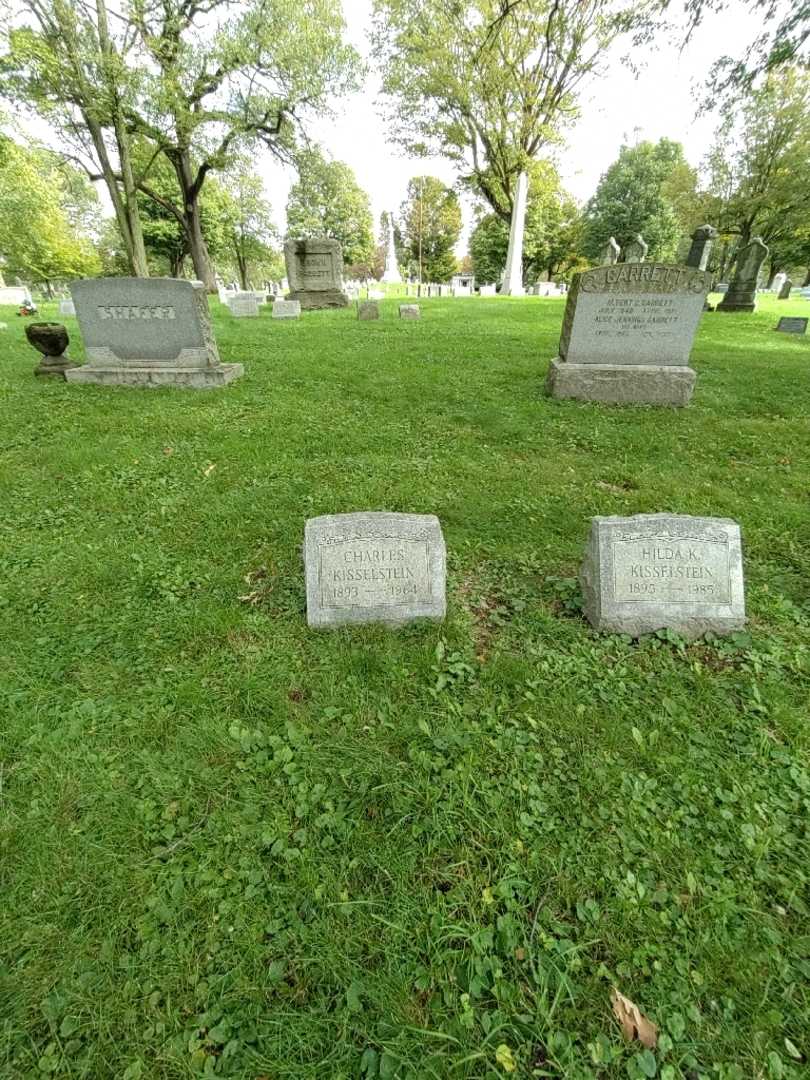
133 311
374 570
671 570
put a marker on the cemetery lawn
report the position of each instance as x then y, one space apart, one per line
233 846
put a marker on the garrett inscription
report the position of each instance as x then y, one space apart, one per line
374 567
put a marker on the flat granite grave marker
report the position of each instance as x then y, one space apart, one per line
286 309
664 571
409 311
243 305
315 271
374 567
627 333
147 332
792 325
368 310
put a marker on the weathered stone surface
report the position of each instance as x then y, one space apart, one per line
784 291
368 310
622 384
243 305
51 341
409 311
636 250
664 571
633 314
611 253
374 567
792 325
315 272
67 307
702 239
286 309
742 292
513 273
147 332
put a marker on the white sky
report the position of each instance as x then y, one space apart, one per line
616 107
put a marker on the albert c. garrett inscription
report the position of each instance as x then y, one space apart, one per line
374 567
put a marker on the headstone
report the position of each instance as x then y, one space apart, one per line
375 294
790 325
721 287
636 251
374 567
14 294
286 309
368 310
612 251
702 240
409 311
742 292
488 290
777 283
391 274
315 270
67 307
461 290
147 332
627 333
664 572
784 291
243 305
513 275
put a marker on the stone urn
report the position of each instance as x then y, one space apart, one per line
51 340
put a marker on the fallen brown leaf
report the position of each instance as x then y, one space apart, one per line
635 1024
167 450
209 470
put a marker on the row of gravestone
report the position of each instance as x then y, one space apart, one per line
640 574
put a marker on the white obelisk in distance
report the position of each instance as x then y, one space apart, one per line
391 274
513 275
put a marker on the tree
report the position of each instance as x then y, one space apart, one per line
71 67
430 227
491 83
551 240
37 239
631 199
249 225
758 172
219 78
327 201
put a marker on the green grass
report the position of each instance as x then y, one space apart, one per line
232 846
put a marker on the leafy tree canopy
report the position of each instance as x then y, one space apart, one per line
327 201
430 226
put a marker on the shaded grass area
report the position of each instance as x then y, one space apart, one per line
231 846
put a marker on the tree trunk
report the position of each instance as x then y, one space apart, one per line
773 271
806 278
198 249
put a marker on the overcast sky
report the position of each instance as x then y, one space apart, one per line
661 101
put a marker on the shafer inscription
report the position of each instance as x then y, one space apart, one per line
671 571
132 311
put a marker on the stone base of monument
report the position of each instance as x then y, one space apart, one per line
621 384
184 377
54 366
326 298
732 305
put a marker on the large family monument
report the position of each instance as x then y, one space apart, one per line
147 332
315 273
627 333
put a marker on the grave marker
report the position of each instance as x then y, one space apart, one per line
315 272
664 571
368 310
742 292
409 311
374 567
286 309
792 325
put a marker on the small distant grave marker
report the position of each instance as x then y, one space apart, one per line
792 325
286 309
409 311
368 310
372 567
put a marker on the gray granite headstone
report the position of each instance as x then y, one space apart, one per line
664 571
286 309
792 325
636 250
627 334
702 240
67 307
315 272
784 292
243 305
368 310
147 332
409 311
742 292
611 253
374 567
